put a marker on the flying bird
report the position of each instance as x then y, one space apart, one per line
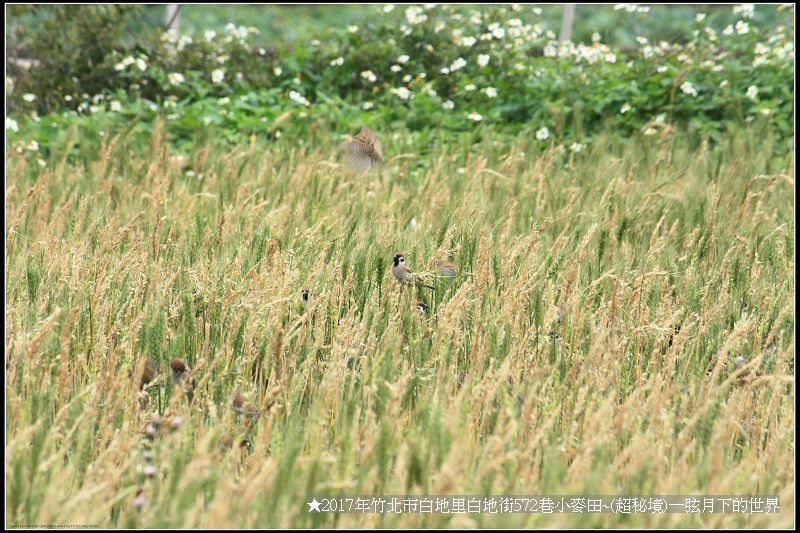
363 152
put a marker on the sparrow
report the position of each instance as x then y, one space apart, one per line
239 407
402 273
304 297
447 268
148 372
363 152
178 373
422 308
675 330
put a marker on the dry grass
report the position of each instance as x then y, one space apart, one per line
127 256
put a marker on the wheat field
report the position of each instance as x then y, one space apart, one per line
666 259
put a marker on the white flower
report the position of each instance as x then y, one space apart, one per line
369 76
483 59
299 98
224 100
388 8
491 92
448 105
470 87
366 106
625 108
209 35
700 17
688 88
445 70
542 133
407 78
742 27
33 146
403 59
352 29
141 64
577 147
338 61
93 109
278 71
650 131
728 30
477 117
663 69
745 10
596 37
11 124
468 41
28 97
206 121
457 64
402 92
723 84
765 112
217 75
115 106
396 68
414 15
176 78
752 92
499 33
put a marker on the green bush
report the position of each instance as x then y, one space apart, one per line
446 68
70 44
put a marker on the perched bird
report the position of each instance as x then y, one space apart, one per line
304 297
239 406
447 268
422 308
145 374
363 152
675 330
402 273
147 369
179 372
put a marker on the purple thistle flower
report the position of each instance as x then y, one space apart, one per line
138 502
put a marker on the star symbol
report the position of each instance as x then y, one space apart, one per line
313 505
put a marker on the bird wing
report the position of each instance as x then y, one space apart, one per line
363 151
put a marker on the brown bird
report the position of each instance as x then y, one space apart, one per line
238 406
179 372
447 268
147 372
363 152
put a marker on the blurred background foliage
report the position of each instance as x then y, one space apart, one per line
239 68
